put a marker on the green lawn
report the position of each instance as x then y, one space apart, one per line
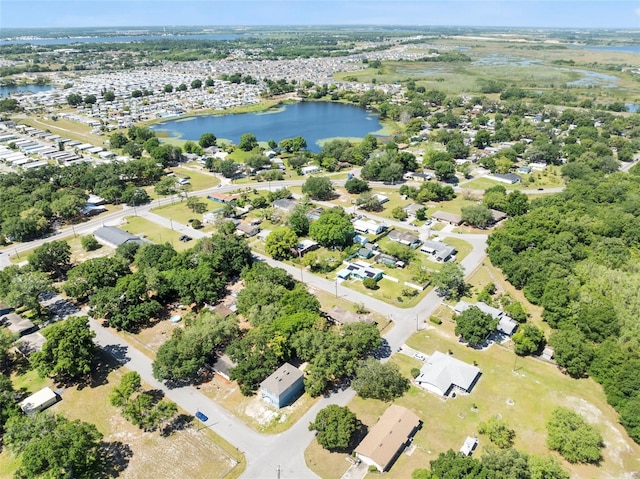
155 233
546 179
199 180
524 398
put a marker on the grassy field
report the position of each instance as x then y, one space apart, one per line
66 129
541 180
154 232
201 454
524 398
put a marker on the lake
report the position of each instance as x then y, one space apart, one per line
617 48
315 121
7 90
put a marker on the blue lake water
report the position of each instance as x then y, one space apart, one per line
7 90
120 39
632 107
315 121
590 78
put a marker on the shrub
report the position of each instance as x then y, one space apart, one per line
370 283
435 320
89 243
415 372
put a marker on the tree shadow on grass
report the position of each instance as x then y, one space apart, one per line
114 459
109 359
178 423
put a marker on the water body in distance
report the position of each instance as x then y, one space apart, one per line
314 121
612 48
8 90
117 39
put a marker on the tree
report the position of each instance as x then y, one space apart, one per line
195 205
166 186
118 140
482 139
378 380
134 196
109 96
450 281
90 99
68 206
53 446
498 431
336 426
168 88
476 215
25 288
74 99
69 353
280 242
89 243
318 188
333 229
196 84
207 139
572 351
247 142
453 465
299 222
444 170
399 213
528 340
573 437
369 202
473 326
355 186
53 258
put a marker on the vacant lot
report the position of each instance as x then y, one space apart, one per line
184 453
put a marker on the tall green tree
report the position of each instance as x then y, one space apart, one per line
450 280
69 353
281 242
318 188
378 380
53 257
473 326
573 437
335 426
333 229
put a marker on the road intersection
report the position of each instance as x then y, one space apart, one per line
280 455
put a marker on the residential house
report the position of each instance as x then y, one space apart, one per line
509 178
413 208
419 176
445 217
403 238
440 251
310 170
365 253
285 204
497 216
246 229
445 375
39 401
283 387
222 198
388 437
30 343
223 366
114 237
506 325
381 198
305 246
18 325
368 227
360 270
389 260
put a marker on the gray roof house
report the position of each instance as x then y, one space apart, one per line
16 324
438 250
283 387
285 204
446 375
406 239
114 237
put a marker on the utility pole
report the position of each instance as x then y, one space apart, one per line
417 327
336 286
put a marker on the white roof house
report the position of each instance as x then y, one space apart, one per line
39 401
470 443
368 227
444 374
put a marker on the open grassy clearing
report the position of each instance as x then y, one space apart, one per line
78 254
200 454
388 291
180 213
541 180
454 206
154 232
200 180
524 398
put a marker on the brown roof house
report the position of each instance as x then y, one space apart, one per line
283 387
386 440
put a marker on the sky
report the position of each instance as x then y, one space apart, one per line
503 13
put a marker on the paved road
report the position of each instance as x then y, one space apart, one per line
265 455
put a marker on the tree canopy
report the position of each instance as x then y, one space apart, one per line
573 437
473 326
378 380
335 426
69 352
